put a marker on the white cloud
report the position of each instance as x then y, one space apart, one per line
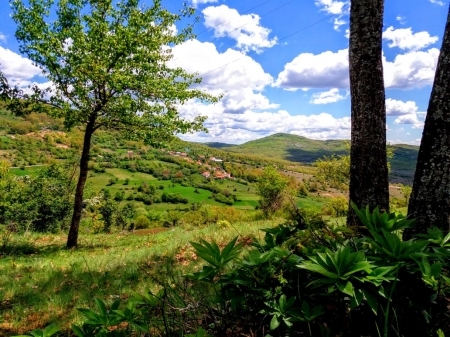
330 96
231 128
325 70
338 22
332 6
245 29
404 38
240 82
399 108
2 37
414 69
17 69
410 119
197 2
401 19
437 2
412 142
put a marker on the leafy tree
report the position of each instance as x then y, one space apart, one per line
338 206
107 62
406 191
108 211
41 203
334 169
368 164
271 188
429 201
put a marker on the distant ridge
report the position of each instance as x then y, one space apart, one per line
218 145
304 150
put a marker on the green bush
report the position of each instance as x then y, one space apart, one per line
141 222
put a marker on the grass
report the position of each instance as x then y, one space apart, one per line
29 171
42 282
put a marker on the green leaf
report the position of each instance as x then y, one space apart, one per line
274 322
308 265
282 302
77 330
345 287
371 301
101 307
50 330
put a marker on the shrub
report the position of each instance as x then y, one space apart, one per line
141 222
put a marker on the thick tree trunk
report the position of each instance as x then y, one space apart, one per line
430 198
368 163
72 239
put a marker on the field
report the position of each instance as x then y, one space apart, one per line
41 282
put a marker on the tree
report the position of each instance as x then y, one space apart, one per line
430 197
107 61
368 163
271 187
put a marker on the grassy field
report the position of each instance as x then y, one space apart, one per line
246 194
28 171
42 282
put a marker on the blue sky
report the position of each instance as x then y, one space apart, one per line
282 66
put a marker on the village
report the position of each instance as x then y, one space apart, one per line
207 170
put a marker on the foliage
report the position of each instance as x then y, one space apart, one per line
314 279
107 62
271 187
41 203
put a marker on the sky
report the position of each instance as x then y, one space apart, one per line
282 66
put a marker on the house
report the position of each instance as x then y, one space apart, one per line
206 174
130 154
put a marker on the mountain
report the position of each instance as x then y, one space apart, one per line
289 147
304 150
217 145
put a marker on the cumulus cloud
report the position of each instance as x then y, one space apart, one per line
197 2
330 96
230 128
240 82
245 29
404 38
410 119
325 70
399 108
414 69
332 6
17 69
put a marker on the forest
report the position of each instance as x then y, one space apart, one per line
111 225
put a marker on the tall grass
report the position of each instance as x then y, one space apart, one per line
42 282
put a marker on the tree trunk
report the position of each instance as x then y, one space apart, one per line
72 239
429 202
368 163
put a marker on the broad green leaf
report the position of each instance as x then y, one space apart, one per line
50 330
345 287
274 322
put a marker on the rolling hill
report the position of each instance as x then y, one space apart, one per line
304 150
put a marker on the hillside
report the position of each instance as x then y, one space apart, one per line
290 147
299 149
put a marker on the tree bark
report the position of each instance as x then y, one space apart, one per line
369 183
72 239
430 198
